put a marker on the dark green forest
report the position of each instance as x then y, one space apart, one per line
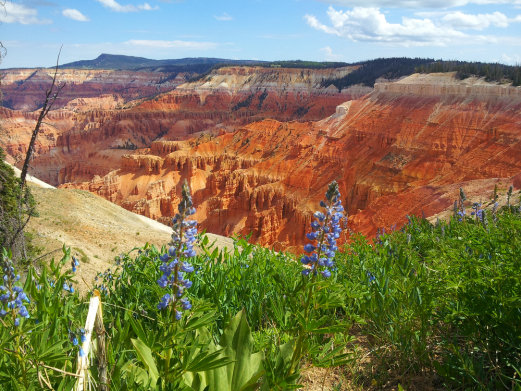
387 68
491 72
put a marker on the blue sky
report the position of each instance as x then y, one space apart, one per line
335 30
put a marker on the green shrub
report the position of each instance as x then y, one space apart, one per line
17 205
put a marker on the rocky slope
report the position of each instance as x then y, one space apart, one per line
447 84
398 151
245 94
24 89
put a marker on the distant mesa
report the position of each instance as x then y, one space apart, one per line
115 61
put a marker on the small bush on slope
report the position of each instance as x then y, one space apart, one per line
16 207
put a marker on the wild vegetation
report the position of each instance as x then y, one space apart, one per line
17 205
436 301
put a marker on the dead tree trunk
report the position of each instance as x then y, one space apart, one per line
50 98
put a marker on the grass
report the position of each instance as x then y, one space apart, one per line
83 256
430 305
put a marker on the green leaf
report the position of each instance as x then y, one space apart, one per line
145 356
253 383
138 329
238 367
330 329
209 364
201 321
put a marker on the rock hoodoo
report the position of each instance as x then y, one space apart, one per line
392 153
260 146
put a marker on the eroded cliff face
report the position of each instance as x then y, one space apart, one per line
393 154
24 89
104 126
17 128
447 84
403 149
244 94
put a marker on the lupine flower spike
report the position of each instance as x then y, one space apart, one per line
325 231
477 211
175 263
484 219
73 337
462 199
12 296
75 264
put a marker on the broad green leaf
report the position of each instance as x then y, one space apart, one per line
145 356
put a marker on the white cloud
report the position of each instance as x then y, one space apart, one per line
19 13
223 17
190 45
370 25
477 22
75 14
115 6
414 3
512 59
329 54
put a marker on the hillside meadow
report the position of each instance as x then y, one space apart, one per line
429 306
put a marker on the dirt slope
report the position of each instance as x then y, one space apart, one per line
96 229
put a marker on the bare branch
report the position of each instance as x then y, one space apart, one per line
50 98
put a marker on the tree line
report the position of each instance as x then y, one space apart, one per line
490 71
369 71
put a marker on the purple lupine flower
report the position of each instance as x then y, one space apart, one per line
329 263
23 312
174 262
74 264
165 301
187 268
14 296
309 248
312 235
326 230
326 273
185 303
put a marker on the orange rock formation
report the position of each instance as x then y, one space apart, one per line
403 149
393 154
100 131
24 89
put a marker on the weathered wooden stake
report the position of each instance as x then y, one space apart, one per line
83 362
101 352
